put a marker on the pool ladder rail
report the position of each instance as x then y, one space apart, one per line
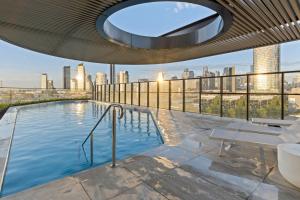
114 121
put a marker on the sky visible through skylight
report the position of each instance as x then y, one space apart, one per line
22 68
155 19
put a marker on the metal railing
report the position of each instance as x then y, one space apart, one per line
91 134
265 95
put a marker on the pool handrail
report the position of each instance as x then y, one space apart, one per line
90 135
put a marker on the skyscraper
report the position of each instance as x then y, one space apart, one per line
187 74
266 59
123 77
81 77
66 77
73 84
50 84
229 83
44 81
101 78
89 83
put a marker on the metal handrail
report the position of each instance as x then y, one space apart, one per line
90 135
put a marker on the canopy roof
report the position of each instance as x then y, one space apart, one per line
78 29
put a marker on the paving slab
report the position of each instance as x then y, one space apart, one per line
222 175
65 189
181 184
267 191
140 192
106 182
148 167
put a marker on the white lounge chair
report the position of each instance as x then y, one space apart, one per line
262 140
254 128
273 122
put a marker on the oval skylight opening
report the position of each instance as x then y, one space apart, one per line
157 18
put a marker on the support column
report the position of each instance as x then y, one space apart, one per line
112 74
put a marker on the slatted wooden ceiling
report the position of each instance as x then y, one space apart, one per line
66 28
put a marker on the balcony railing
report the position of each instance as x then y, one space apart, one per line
265 95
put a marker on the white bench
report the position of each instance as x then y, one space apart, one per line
289 162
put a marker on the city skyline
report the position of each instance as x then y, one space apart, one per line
30 76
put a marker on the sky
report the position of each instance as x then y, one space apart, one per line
22 68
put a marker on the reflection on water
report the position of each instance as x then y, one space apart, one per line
48 138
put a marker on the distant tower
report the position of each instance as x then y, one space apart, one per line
161 76
50 84
266 59
89 83
101 78
123 77
81 77
187 74
44 81
66 77
73 84
229 83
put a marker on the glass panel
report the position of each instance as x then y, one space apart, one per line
176 94
135 91
107 93
177 86
235 84
211 84
291 106
265 106
116 93
176 101
292 83
265 83
153 94
122 93
111 93
143 93
164 100
210 104
102 97
192 95
235 106
192 101
164 94
128 93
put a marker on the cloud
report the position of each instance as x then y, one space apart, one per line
183 6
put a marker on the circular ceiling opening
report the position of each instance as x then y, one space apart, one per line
148 24
157 18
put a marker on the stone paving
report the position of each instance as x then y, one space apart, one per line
187 166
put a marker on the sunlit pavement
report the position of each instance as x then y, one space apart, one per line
187 166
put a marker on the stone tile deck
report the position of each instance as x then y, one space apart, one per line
187 166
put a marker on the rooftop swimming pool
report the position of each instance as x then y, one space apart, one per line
48 137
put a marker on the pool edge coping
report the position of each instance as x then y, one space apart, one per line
7 149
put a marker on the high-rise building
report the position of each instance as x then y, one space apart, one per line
123 77
73 84
266 59
81 77
229 83
66 77
208 83
187 74
50 84
101 78
89 83
44 81
161 76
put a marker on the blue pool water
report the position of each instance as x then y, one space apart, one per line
48 137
